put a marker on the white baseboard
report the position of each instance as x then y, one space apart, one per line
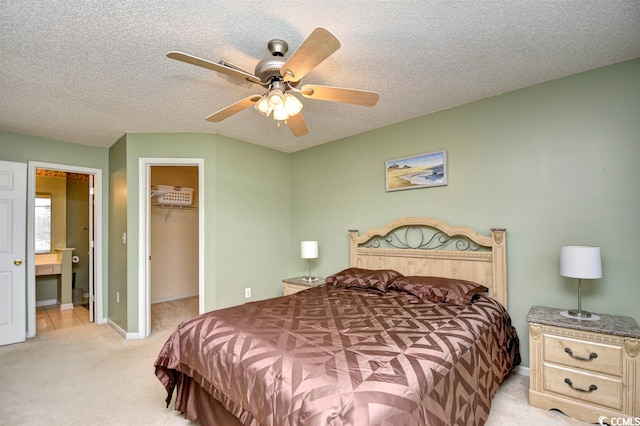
133 336
51 302
117 328
122 332
170 298
136 335
523 371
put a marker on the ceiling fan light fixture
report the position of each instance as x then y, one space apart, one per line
280 114
276 98
263 106
292 104
282 105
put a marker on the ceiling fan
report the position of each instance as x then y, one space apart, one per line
281 77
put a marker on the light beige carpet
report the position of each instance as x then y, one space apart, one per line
90 375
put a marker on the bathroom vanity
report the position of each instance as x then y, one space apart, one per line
58 263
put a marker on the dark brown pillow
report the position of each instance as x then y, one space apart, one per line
438 289
364 278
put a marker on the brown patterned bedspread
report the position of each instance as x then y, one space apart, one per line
336 356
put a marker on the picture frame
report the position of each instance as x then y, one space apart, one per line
417 171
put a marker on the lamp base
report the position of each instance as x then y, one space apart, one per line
310 279
579 314
584 315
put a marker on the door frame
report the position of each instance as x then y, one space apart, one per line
144 237
95 209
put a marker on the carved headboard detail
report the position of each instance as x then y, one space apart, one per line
429 247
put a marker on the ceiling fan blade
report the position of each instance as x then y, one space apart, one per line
316 48
338 94
297 125
222 68
233 108
235 67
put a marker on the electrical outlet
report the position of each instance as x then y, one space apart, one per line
117 297
247 292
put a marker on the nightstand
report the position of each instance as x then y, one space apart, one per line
586 369
294 285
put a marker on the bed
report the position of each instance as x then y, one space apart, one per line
364 349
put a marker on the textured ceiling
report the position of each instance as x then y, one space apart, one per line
90 71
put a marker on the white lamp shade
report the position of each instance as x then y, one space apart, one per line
280 113
276 98
292 104
263 106
309 249
580 262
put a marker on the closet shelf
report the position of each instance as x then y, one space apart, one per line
169 206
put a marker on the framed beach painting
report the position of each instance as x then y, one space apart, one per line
418 171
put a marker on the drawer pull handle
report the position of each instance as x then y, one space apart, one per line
591 388
592 355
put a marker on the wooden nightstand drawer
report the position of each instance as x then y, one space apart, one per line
583 354
584 386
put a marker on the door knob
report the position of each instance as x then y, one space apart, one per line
17 262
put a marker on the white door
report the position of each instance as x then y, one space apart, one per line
13 208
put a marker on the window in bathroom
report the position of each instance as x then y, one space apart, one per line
43 223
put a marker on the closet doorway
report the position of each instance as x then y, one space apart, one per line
171 226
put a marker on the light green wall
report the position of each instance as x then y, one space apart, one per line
556 164
253 221
246 225
118 225
22 149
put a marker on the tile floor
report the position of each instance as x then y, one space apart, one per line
164 315
50 318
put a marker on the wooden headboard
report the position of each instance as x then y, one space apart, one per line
428 247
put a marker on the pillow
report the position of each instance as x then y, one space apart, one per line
364 278
439 289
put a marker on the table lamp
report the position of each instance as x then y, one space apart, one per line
309 250
581 262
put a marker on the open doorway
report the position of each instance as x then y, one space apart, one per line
64 213
171 264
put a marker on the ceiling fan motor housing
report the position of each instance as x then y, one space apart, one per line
269 68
